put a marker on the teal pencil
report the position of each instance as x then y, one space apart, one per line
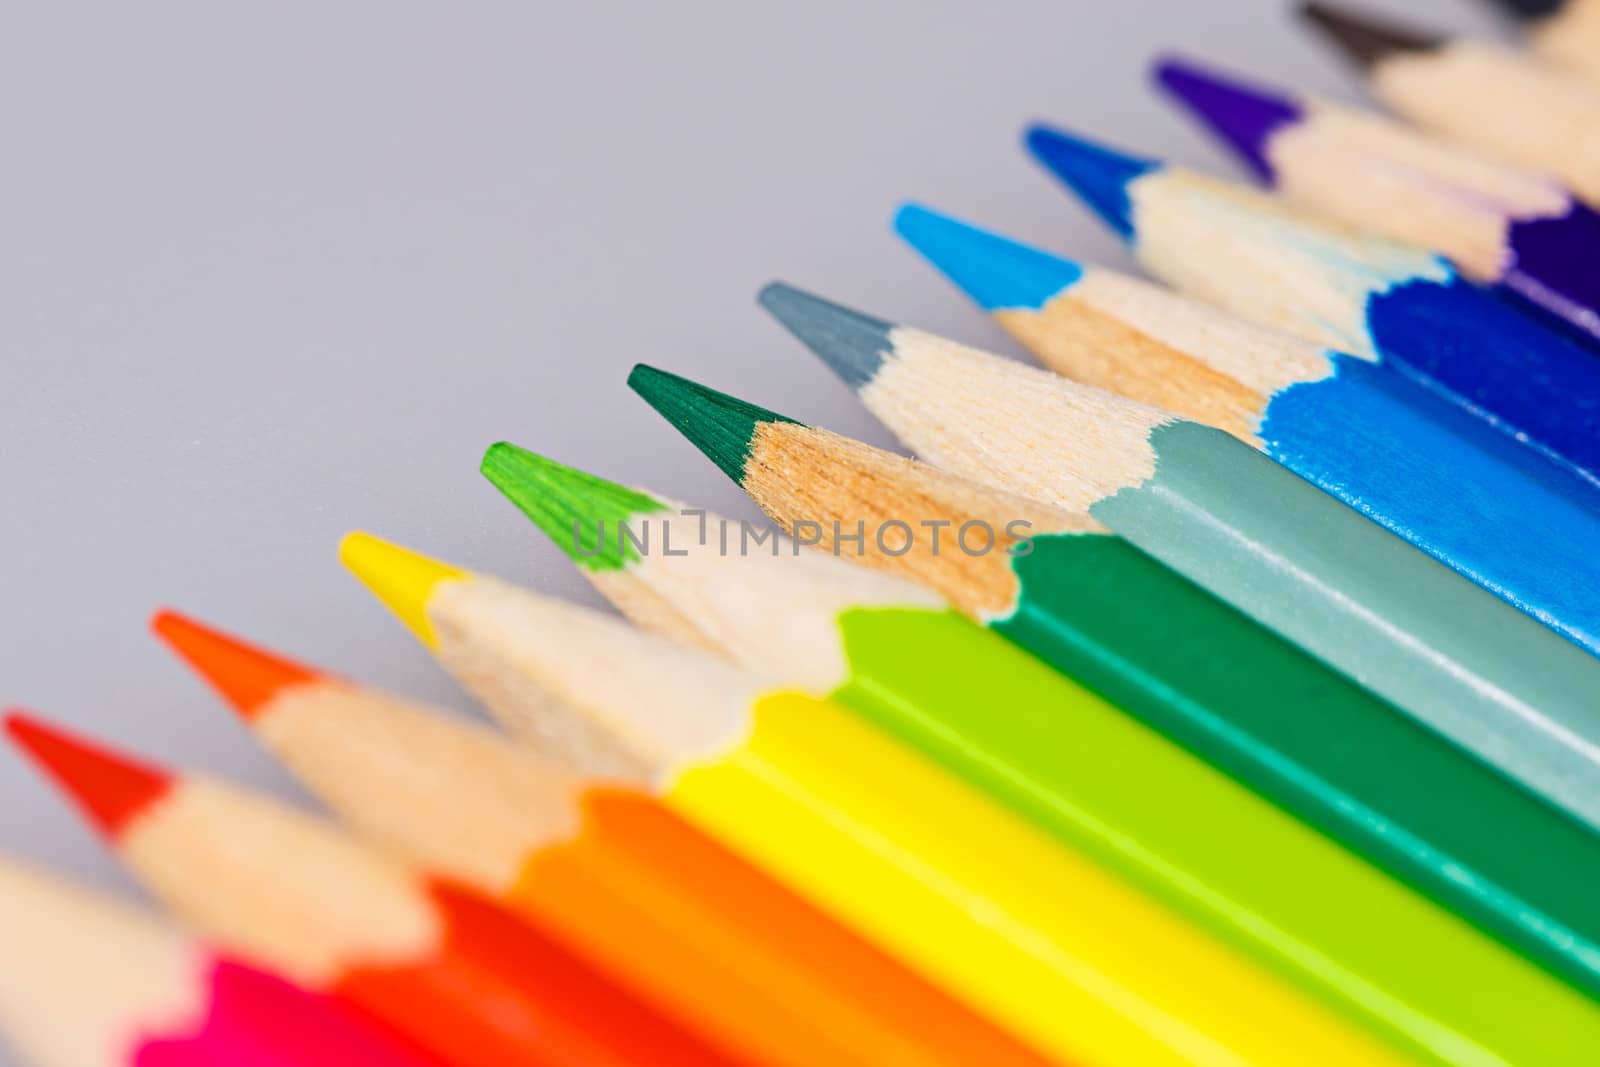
1460 660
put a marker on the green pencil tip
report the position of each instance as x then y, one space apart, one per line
572 507
717 424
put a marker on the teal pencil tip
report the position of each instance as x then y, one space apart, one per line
1098 174
571 507
996 272
719 425
852 343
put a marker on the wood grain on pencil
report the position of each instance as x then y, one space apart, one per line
1249 253
1476 93
876 833
637 890
1500 225
90 981
1462 661
448 968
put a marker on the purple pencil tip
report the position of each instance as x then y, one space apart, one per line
1242 117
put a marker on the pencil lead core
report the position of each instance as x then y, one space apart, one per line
401 578
110 789
1531 10
1099 175
1243 117
247 677
1367 40
996 272
852 343
566 503
719 425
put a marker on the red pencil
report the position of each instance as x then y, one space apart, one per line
444 965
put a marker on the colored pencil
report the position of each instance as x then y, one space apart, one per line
1497 224
1184 663
1027 931
89 981
1243 250
1564 32
1460 660
446 967
1475 93
637 890
1396 452
1173 824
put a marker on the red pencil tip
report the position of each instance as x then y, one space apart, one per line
109 788
249 678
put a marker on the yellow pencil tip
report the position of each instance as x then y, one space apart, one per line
401 578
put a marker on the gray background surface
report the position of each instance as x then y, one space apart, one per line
272 272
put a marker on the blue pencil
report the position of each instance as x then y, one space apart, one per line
1474 499
1240 249
1498 224
1456 657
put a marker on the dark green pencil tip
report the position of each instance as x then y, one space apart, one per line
572 507
717 424
852 343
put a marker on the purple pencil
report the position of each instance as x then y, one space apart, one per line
1499 224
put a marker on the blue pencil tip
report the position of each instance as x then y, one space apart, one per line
853 344
1098 174
1243 117
992 270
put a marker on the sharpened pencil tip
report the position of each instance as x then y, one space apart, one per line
110 789
567 503
1099 175
852 343
401 578
1367 40
996 272
1531 10
1243 117
719 425
247 677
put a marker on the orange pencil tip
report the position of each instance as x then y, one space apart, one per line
109 788
247 677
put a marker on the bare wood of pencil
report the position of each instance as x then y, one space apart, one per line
1564 32
457 974
818 798
472 804
1237 524
89 980
1476 93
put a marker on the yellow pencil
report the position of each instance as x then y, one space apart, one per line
1042 940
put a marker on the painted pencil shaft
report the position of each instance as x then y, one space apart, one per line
636 890
1022 740
1477 94
88 981
1461 661
1165 1020
823 800
1499 225
1242 250
453 972
780 960
1396 452
1185 663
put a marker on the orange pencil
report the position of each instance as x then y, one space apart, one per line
641 893
448 968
